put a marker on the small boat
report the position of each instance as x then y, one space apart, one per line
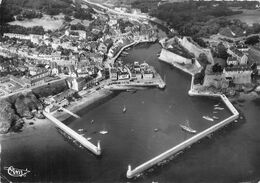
216 105
89 138
103 132
124 109
156 130
80 130
131 90
236 121
188 128
208 118
92 121
215 117
125 53
219 108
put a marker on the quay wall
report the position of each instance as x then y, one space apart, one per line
171 57
82 140
112 60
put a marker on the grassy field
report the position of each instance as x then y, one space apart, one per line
248 16
47 22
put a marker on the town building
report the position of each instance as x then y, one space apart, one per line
232 61
241 57
238 74
113 74
39 78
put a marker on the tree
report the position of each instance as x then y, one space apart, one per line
252 40
217 68
256 28
222 51
67 18
203 59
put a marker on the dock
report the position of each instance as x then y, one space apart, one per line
82 140
187 143
69 112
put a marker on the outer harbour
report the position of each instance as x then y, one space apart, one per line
128 132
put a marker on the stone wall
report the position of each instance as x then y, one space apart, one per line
196 50
171 57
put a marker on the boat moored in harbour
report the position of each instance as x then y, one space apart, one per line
208 118
187 128
124 109
215 117
219 108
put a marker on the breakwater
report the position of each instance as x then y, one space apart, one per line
82 140
192 92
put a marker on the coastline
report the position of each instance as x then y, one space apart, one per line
87 101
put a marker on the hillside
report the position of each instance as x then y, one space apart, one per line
39 4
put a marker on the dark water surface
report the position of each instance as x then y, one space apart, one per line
231 155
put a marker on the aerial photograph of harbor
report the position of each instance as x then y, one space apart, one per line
129 91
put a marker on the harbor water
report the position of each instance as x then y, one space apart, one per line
149 127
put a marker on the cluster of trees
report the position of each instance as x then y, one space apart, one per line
11 8
220 51
11 66
17 29
7 12
77 26
29 14
202 19
194 18
145 5
81 13
123 24
52 89
217 68
252 40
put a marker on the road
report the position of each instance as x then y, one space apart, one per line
30 89
117 12
136 16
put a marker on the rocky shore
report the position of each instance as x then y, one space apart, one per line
15 108
18 108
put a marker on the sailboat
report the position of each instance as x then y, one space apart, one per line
187 127
124 109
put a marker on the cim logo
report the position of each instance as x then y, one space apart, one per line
15 172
